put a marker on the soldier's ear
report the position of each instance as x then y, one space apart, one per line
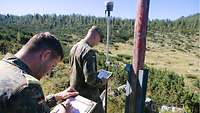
46 54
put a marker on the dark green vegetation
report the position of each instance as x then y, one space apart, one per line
168 88
164 87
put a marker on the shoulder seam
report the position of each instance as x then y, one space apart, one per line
30 79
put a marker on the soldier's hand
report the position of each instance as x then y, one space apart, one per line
69 92
68 107
104 81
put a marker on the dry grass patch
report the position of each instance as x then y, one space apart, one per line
161 58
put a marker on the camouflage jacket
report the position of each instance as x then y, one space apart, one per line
20 92
84 71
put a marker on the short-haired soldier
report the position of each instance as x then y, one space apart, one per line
20 90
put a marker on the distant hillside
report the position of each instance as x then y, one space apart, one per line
181 34
69 26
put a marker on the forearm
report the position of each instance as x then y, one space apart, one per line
94 81
52 99
90 70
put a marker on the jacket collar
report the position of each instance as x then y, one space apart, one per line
10 58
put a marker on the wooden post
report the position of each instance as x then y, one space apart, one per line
137 75
140 32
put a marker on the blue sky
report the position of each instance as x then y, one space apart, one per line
159 9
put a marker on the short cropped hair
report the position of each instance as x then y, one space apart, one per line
99 31
45 40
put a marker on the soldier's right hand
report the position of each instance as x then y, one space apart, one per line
104 81
64 107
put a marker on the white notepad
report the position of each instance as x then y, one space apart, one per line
81 105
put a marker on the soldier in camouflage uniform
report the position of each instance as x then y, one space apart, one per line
84 68
20 90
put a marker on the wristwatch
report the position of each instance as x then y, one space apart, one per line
51 100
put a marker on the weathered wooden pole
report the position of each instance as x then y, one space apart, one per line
139 74
140 32
137 80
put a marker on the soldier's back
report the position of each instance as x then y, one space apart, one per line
16 90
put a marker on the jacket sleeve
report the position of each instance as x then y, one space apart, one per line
30 100
51 100
89 69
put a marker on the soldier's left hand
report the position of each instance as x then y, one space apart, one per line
69 92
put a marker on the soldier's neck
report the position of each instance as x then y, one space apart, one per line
27 59
89 41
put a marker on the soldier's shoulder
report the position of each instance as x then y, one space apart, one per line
31 80
83 44
33 87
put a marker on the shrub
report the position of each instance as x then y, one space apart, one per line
196 83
